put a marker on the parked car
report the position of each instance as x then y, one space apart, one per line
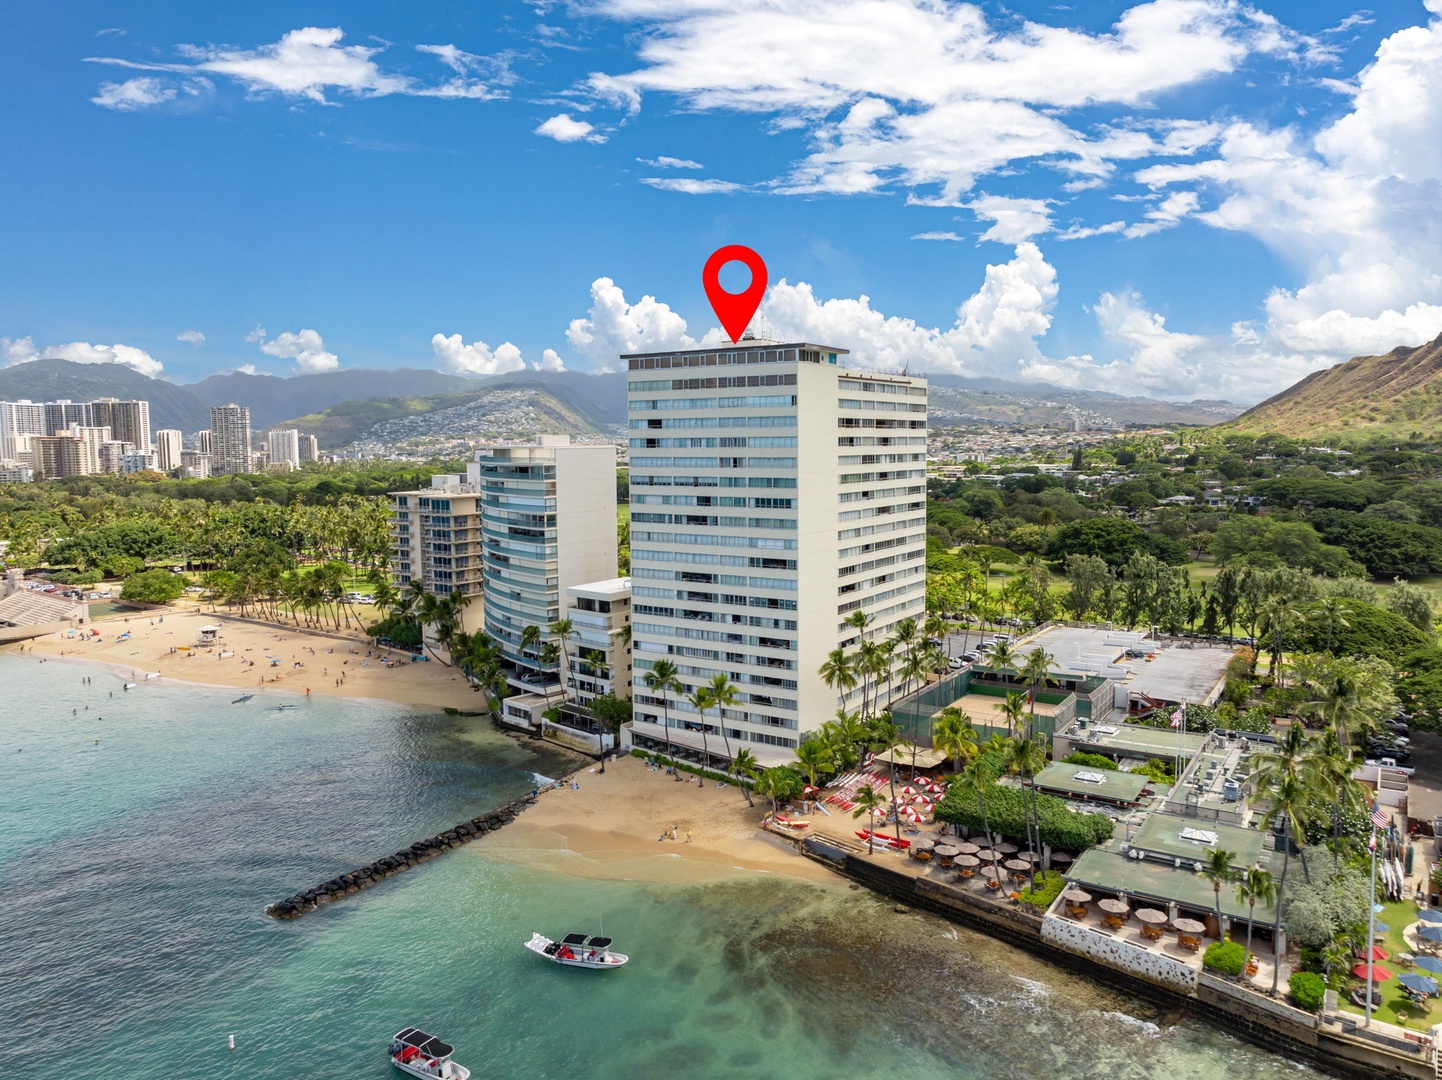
955 662
969 657
177 569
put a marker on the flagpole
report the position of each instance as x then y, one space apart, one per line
1371 918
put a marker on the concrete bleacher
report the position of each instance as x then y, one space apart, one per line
28 608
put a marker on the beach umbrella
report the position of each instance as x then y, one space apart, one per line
1114 907
923 845
1430 916
937 789
1419 984
1430 933
879 811
967 848
966 860
1379 974
1017 865
1189 926
1428 963
1375 953
921 800
1152 915
1076 895
908 790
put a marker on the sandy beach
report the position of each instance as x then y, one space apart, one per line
610 826
606 828
301 661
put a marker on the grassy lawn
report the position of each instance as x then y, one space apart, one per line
1398 916
623 513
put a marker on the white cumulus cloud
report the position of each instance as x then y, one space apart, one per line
563 128
690 186
23 350
453 355
310 63
192 337
305 347
664 162
133 94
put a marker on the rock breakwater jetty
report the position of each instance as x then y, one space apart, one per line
337 888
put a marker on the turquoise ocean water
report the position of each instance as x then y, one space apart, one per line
133 939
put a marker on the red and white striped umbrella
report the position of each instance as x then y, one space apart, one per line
937 789
879 811
911 815
908 790
921 800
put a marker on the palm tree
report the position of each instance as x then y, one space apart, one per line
1217 868
813 756
661 679
1036 673
1014 709
724 695
1277 615
1255 886
550 658
1282 776
977 777
700 700
1332 613
530 638
868 800
838 672
745 764
1003 658
562 630
954 736
1026 758
871 662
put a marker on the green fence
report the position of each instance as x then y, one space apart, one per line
912 715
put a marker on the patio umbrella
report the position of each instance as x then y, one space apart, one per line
911 815
1076 895
1428 963
921 800
1379 974
1062 857
1113 907
936 789
923 845
879 811
967 848
1017 865
1007 849
1152 915
988 856
1029 857
908 790
1419 984
1430 933
967 860
1375 952
1189 926
1430 916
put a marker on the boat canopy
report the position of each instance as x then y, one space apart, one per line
426 1044
574 939
599 942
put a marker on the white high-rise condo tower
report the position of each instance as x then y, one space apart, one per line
230 440
773 494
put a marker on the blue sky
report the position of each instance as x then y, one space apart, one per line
1183 198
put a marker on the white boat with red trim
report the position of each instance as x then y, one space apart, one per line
577 950
414 1052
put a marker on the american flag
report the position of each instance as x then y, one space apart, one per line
1379 817
1177 717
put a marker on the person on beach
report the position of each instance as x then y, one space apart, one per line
673 832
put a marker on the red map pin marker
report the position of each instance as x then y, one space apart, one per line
734 309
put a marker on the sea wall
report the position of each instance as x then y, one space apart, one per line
1119 953
337 888
1259 1019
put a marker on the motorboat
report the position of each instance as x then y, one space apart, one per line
577 950
242 699
413 1051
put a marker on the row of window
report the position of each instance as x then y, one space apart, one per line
881 440
900 590
879 545
715 463
721 521
760 503
645 480
697 634
892 474
883 527
867 405
890 425
869 386
877 459
719 382
877 493
711 442
787 584
722 359
691 404
784 421
645 536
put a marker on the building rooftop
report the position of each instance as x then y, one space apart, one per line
602 589
1136 740
1146 880
1079 781
1173 837
744 343
1177 675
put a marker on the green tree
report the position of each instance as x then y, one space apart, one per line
976 779
1013 709
153 587
1255 886
868 801
954 736
610 712
1217 869
744 766
662 681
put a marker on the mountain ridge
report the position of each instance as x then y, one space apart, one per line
1393 393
